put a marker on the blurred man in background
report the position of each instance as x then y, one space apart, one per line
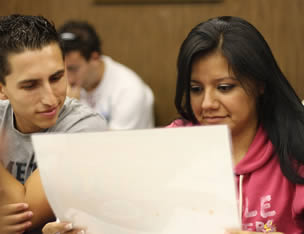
108 87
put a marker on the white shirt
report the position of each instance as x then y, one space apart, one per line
122 98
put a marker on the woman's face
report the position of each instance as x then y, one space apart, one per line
217 97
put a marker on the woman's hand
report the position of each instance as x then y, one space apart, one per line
14 218
60 227
247 232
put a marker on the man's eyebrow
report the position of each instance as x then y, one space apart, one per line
27 81
60 72
72 67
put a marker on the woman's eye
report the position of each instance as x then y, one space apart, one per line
225 87
195 89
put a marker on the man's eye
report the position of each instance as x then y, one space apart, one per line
195 89
225 87
29 86
72 69
55 78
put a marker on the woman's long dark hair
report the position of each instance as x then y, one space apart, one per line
280 110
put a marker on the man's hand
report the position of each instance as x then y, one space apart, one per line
73 91
14 218
61 228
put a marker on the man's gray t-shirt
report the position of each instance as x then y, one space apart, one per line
19 158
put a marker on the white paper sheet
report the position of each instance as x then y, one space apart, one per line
157 181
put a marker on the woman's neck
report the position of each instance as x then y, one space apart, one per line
241 144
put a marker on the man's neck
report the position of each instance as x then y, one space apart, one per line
99 76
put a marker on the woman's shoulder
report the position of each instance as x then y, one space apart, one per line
180 123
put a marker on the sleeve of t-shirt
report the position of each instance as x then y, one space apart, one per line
92 123
77 117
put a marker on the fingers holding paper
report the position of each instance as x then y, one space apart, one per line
60 227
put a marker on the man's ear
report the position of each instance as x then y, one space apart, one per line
95 56
2 92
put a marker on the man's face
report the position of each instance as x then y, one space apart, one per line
36 87
80 72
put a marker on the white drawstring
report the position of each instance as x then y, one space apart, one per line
240 197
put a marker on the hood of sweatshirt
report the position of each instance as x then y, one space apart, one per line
268 201
259 153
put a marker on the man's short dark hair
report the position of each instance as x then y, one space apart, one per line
80 36
21 32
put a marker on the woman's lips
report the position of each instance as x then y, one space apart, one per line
214 119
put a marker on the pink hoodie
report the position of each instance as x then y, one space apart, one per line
268 200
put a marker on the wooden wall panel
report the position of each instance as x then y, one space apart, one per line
147 37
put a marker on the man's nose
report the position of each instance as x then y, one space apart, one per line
48 96
71 78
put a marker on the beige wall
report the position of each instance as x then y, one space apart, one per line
147 37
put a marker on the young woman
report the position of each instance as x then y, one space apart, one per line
228 75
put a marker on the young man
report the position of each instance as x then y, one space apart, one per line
33 82
110 88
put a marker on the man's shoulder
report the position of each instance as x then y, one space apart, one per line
77 117
120 72
4 109
4 104
121 80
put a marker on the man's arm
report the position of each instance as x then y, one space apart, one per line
31 193
12 191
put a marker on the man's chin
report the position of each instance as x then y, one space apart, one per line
47 124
